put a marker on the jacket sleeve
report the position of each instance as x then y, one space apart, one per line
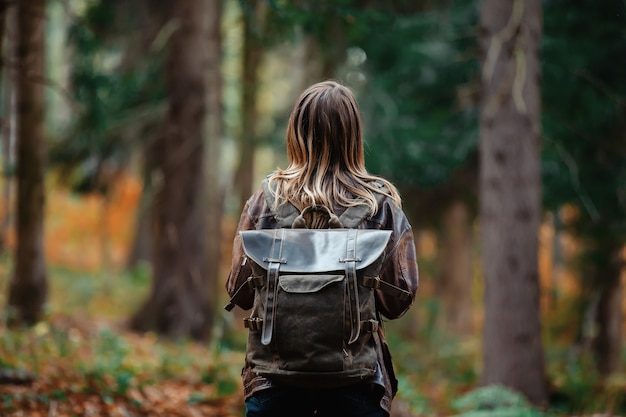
400 266
240 270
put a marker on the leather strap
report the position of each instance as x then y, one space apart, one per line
252 282
286 213
370 326
378 284
350 261
271 289
333 220
354 215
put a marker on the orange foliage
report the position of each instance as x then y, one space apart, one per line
85 232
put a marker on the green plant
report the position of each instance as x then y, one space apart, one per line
417 402
222 374
494 401
108 374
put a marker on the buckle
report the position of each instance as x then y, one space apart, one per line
253 323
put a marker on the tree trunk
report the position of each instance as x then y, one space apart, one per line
333 50
4 6
454 283
150 20
607 344
510 192
28 287
309 62
8 121
178 304
252 53
215 194
141 249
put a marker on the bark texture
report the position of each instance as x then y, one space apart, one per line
510 193
178 305
28 287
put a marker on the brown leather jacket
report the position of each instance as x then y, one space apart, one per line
399 268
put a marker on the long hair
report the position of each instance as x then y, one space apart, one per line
325 151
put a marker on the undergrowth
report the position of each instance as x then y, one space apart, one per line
82 348
439 374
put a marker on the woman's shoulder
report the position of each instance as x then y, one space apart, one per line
260 209
256 205
390 215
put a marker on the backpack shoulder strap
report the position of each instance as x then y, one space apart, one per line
354 215
285 213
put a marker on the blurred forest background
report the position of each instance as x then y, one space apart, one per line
134 131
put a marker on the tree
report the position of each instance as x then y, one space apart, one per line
178 304
153 19
28 287
254 23
8 28
510 195
215 191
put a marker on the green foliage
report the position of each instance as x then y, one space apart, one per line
222 376
110 353
417 402
418 102
494 401
321 19
118 92
576 386
432 366
584 96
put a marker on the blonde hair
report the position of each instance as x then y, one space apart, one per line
325 151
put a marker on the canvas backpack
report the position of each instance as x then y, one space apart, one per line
314 321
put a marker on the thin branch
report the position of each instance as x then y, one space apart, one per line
570 162
599 85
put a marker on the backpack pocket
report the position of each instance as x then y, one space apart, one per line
309 326
302 284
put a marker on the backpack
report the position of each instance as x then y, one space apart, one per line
314 321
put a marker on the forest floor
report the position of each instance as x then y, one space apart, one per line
76 365
73 366
82 361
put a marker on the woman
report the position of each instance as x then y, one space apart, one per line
327 168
